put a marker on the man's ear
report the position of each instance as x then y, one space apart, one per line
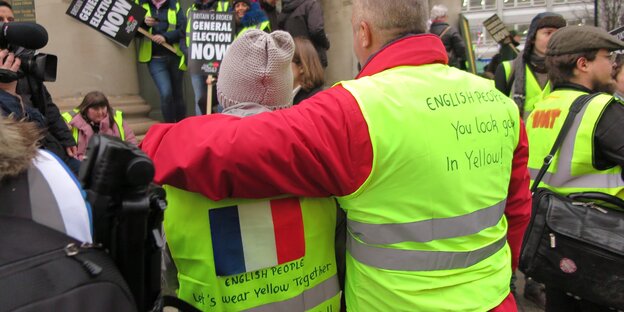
582 64
364 34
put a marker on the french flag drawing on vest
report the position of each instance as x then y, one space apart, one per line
258 235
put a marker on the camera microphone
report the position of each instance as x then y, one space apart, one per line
24 34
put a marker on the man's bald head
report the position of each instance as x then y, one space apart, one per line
375 23
393 18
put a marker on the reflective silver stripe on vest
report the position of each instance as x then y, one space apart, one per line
563 175
428 230
307 300
418 260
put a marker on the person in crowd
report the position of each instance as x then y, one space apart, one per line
305 18
618 76
34 183
248 15
307 70
580 61
165 20
525 79
270 8
197 80
96 116
453 42
292 236
35 97
508 51
358 142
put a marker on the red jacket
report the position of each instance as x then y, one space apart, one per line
318 148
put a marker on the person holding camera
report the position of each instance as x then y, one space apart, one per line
34 184
34 94
95 115
580 60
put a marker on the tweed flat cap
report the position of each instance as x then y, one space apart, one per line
578 39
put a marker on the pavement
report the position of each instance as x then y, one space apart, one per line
524 305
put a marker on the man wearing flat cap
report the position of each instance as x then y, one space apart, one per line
580 61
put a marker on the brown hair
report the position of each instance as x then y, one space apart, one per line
95 99
561 67
307 57
5 4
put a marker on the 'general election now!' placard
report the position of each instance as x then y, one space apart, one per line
210 36
117 19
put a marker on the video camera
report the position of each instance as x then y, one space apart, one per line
127 212
23 38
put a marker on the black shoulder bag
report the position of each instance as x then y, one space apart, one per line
575 243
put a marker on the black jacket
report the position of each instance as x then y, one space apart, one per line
271 13
303 94
453 43
57 137
304 18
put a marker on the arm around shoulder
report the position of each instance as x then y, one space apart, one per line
320 147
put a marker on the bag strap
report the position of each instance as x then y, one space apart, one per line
444 31
576 107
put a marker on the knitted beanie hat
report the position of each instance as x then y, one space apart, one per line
256 69
248 2
542 20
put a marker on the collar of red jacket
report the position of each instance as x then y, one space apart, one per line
410 50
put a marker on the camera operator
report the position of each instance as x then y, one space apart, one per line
33 182
57 138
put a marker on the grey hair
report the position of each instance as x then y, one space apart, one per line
438 11
399 18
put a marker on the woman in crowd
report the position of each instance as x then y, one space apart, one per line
95 115
307 70
248 15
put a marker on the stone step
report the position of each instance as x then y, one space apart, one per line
140 125
134 110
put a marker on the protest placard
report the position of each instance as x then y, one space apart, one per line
117 19
210 36
464 30
618 32
495 27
